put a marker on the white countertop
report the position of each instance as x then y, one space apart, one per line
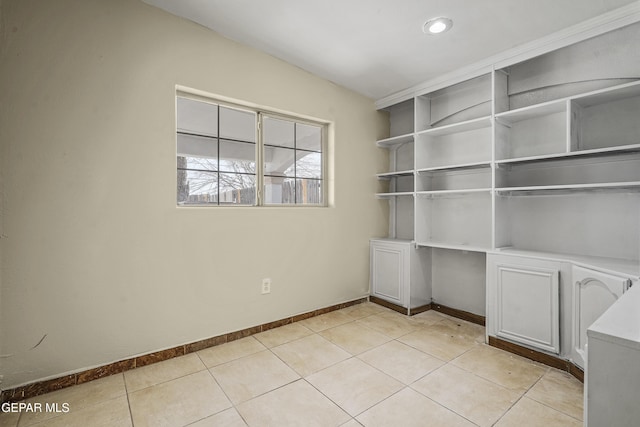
606 265
620 324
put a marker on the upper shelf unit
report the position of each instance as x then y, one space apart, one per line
462 102
455 145
601 62
543 155
601 122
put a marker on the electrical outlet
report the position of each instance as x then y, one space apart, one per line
266 286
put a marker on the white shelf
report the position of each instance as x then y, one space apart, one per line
609 265
391 240
474 124
634 185
533 111
582 153
388 195
460 192
389 175
473 165
460 247
395 140
609 94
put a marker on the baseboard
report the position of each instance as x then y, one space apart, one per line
399 308
537 356
460 314
42 387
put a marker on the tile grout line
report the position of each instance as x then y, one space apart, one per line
126 390
545 404
520 398
233 405
445 407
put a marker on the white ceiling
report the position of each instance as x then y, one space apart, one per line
377 47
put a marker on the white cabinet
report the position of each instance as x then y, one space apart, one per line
593 293
400 273
613 372
523 303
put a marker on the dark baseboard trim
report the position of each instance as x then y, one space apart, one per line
399 308
420 309
460 314
42 387
537 356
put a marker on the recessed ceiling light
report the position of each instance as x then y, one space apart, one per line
437 25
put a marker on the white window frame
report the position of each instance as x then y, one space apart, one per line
261 113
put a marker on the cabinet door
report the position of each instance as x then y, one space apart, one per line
389 271
527 305
593 293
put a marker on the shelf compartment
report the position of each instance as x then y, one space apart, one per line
570 172
461 102
597 224
401 118
395 140
401 214
392 184
389 175
532 112
574 69
434 151
607 119
463 178
455 218
533 131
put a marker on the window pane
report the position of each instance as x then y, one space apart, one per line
308 137
237 189
309 191
278 161
279 190
202 153
237 124
308 164
237 157
195 187
278 132
197 117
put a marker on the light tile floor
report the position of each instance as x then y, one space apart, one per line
361 366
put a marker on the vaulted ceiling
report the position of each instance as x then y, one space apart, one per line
377 47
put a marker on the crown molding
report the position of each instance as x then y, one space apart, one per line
601 24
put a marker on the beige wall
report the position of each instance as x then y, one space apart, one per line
95 254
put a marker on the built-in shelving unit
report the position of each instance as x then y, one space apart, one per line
522 178
525 159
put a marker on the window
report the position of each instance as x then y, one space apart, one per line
226 152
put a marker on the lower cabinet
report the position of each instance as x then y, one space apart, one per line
524 301
548 303
400 272
593 293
